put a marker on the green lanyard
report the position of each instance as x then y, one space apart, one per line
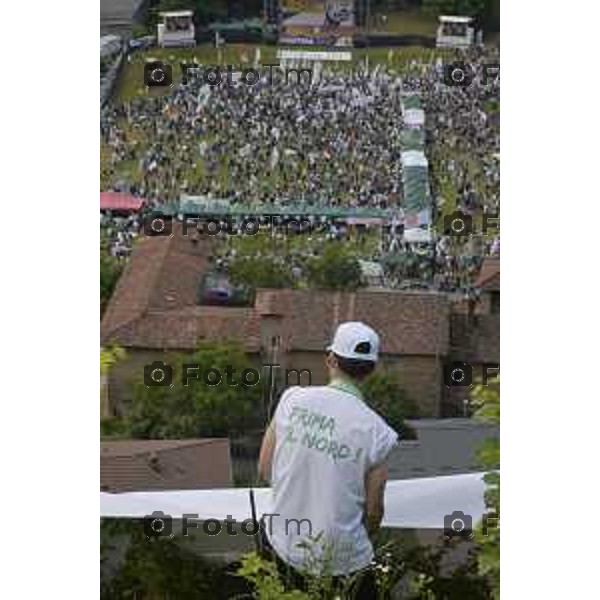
346 386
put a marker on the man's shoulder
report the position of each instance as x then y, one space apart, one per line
301 392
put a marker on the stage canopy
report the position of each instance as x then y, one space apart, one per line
413 139
411 101
414 117
417 235
120 201
413 158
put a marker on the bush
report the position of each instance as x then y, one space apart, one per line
335 269
256 272
110 271
384 394
195 410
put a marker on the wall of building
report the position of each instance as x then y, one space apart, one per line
420 376
131 368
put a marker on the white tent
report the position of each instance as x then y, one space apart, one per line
413 158
414 117
370 269
417 235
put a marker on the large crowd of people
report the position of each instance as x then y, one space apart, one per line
335 143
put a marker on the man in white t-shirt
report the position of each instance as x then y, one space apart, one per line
325 453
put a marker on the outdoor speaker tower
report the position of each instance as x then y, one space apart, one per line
360 12
271 11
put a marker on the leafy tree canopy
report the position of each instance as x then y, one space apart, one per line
384 394
198 409
335 269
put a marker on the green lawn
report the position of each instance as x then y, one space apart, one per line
131 83
410 22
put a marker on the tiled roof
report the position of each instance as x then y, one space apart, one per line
137 465
154 304
408 322
443 447
489 274
154 307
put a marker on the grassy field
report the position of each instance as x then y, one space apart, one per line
131 83
412 22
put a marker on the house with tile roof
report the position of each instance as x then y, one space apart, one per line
153 465
154 310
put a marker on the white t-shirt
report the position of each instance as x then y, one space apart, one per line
327 439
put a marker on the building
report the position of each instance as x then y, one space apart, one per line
442 447
475 332
119 16
152 465
154 309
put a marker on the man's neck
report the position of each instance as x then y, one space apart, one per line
346 384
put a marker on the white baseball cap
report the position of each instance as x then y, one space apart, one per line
355 340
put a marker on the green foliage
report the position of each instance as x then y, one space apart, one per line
196 410
134 566
335 269
491 15
420 572
172 5
110 271
487 10
467 8
263 575
138 30
488 400
384 394
430 578
255 273
114 428
109 356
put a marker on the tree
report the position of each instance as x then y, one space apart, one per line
258 272
108 358
335 269
110 271
196 409
384 394
487 11
467 8
487 398
134 566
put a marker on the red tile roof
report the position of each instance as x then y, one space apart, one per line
138 465
408 322
489 274
120 201
154 303
154 307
